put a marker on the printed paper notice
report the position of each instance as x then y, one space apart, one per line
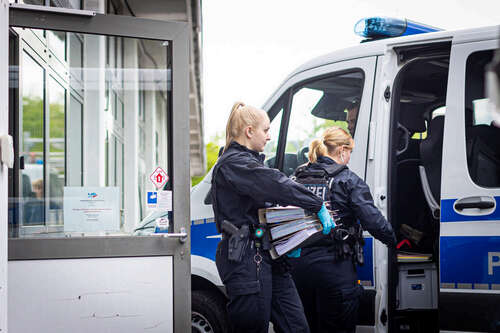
165 200
91 209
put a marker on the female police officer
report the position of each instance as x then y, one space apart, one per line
259 289
325 274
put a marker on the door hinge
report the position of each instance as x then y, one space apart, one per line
387 94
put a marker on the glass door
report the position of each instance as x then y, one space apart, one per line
97 103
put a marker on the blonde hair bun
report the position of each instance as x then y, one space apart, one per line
332 139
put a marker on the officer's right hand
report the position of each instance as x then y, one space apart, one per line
326 220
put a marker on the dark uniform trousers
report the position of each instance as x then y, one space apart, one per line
257 296
329 292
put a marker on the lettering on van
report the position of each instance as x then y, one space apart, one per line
319 190
493 261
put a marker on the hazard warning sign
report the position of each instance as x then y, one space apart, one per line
159 177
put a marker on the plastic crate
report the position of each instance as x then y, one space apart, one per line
417 288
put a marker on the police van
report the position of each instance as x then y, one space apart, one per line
425 144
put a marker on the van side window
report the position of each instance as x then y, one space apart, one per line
317 105
482 138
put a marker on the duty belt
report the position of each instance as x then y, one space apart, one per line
348 242
239 238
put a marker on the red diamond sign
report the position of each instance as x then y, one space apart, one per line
159 177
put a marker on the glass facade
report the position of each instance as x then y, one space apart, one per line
91 125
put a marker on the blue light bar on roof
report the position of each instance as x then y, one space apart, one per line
384 27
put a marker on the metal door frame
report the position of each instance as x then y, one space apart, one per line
40 17
4 129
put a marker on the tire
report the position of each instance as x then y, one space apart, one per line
208 312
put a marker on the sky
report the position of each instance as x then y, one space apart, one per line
250 47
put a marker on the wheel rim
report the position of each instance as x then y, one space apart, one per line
200 324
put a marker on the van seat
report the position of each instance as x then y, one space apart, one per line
431 152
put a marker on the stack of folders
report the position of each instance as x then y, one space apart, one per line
290 227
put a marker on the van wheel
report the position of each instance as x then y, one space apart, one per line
208 312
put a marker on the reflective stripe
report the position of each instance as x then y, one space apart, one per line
470 229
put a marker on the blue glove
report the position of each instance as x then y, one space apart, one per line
294 254
326 220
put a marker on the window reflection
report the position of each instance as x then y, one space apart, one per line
32 2
56 157
91 130
74 163
482 136
31 148
74 4
57 43
76 56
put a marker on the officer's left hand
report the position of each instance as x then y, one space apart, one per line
294 254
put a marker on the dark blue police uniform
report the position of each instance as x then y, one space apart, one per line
258 293
327 282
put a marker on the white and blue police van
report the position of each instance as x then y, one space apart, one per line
426 145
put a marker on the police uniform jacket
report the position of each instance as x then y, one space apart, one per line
351 197
242 184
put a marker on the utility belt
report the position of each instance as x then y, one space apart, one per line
240 238
348 242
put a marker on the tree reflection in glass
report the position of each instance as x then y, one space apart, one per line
31 143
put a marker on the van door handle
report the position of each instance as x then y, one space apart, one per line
475 202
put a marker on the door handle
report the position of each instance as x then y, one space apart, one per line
182 235
475 202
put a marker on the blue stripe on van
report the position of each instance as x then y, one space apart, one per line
448 214
470 260
204 238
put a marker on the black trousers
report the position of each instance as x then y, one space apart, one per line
259 296
329 291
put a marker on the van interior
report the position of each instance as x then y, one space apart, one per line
417 128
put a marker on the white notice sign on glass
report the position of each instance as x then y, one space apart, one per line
91 209
165 200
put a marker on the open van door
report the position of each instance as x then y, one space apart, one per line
470 193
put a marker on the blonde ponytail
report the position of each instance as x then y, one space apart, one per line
241 116
316 149
332 139
230 122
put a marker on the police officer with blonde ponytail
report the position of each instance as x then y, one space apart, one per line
260 289
325 273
